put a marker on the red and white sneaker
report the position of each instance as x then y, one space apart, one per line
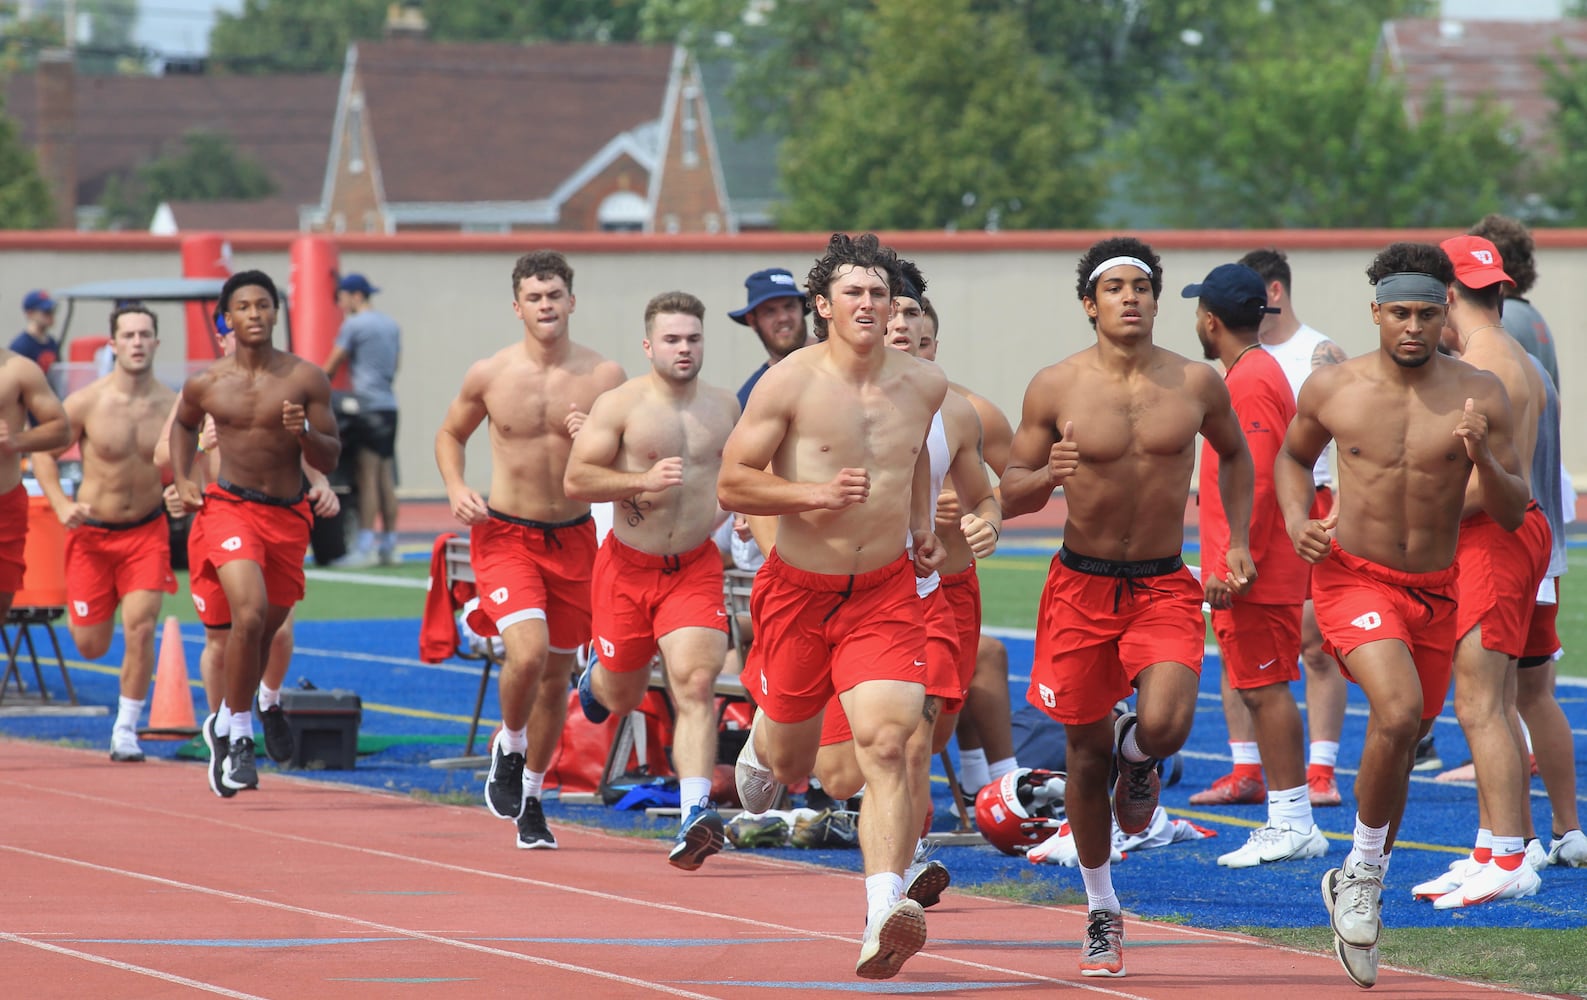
1232 790
1323 788
1490 884
1102 952
1457 875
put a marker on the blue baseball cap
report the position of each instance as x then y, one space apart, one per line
763 286
38 299
1234 288
356 283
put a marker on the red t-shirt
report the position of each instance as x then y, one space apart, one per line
1264 406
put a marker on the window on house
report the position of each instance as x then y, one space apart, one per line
355 134
691 126
623 212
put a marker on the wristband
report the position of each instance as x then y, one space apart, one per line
306 428
996 534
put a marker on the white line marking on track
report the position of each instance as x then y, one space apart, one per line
128 967
369 579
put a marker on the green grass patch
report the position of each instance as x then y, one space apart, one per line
1027 887
458 797
1540 961
331 598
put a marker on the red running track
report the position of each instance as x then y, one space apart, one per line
136 881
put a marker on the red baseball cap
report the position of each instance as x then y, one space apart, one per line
1477 261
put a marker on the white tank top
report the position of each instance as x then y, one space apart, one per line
937 448
1294 356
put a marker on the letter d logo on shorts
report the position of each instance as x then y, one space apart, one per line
81 607
607 649
499 595
1368 621
232 544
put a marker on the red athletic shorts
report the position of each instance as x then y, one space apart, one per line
1259 643
963 590
13 538
1499 575
1359 601
1542 633
639 597
817 634
1101 622
534 569
240 523
106 562
942 668
208 599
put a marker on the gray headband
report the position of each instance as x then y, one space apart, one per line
1411 286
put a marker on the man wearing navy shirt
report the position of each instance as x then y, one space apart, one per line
776 311
35 342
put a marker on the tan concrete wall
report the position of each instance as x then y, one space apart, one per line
1007 301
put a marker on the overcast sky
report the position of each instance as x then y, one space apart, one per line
179 27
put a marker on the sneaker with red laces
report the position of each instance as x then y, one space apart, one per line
1323 789
1232 790
1102 952
1138 786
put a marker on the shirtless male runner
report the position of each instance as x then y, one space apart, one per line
833 443
272 412
24 391
209 600
654 446
1500 572
954 446
1410 425
118 544
984 729
1116 426
532 546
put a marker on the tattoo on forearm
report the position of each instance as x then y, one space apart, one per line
635 509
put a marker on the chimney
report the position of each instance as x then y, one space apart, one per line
57 135
405 21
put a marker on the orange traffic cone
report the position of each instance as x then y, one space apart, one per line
171 712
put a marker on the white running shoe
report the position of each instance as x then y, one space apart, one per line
1276 843
891 940
1489 884
1536 857
124 747
1353 894
757 789
1569 850
1360 964
1452 879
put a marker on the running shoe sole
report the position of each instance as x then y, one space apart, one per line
217 760
928 884
1360 964
701 840
902 934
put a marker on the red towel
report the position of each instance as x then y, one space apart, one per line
438 626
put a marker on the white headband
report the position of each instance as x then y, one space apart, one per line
1115 262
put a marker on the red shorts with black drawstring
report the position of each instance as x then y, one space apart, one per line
638 597
241 523
107 561
534 569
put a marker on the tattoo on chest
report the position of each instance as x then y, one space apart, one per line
635 509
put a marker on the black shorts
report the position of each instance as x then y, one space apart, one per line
374 430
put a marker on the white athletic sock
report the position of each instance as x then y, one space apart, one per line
999 768
1099 888
1245 753
693 792
533 782
1324 753
242 725
1131 748
1369 841
973 772
269 697
515 740
881 893
223 720
1290 805
128 711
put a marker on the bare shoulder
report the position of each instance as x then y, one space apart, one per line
718 398
583 360
484 373
927 375
959 414
1478 383
304 373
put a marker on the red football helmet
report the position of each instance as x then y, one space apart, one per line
1020 809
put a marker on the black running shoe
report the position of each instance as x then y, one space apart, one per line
1427 758
218 746
533 834
240 771
504 784
277 734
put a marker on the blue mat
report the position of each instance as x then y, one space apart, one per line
428 706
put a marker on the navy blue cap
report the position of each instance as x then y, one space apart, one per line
1234 288
356 283
38 299
763 286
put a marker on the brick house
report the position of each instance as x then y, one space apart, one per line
483 137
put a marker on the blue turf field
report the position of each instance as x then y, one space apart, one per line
430 705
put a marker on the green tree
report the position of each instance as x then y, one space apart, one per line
207 167
25 201
535 20
1560 178
947 123
293 36
1268 140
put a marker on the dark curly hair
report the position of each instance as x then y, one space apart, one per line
542 264
865 252
1115 246
1412 258
1515 245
